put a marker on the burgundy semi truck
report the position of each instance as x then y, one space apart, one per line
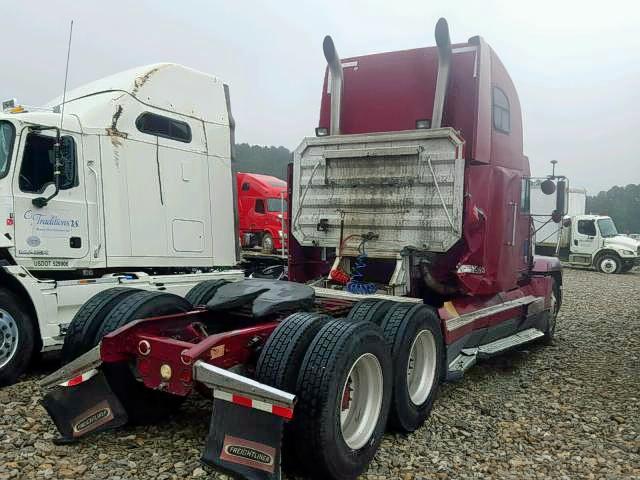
410 259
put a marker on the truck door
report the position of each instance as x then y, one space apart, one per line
259 217
52 234
584 239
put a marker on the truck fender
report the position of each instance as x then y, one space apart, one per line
25 286
546 265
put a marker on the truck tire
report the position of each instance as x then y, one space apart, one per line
267 243
280 359
143 405
82 331
284 350
609 263
414 337
344 394
626 268
201 293
556 301
17 337
370 310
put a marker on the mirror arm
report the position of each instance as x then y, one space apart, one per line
40 202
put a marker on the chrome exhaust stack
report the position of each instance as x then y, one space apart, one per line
444 66
336 80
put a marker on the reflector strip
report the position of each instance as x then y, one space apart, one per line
283 412
79 379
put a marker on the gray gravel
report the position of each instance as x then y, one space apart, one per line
567 411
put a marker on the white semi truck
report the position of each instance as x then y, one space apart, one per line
579 239
127 183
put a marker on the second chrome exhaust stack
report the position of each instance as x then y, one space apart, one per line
336 79
444 66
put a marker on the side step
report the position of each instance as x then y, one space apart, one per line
499 346
469 356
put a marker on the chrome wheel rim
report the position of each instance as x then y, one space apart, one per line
608 265
361 401
421 367
554 312
267 242
8 337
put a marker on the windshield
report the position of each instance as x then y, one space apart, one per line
276 205
607 227
7 134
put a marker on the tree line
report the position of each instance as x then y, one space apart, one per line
266 160
622 204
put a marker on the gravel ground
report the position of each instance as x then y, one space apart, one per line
567 411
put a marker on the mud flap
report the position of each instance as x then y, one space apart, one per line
88 407
244 441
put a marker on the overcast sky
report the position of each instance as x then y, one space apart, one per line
576 66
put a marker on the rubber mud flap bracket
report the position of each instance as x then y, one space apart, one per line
88 407
244 441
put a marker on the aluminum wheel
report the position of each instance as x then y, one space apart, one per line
421 367
608 265
267 243
554 312
8 337
361 401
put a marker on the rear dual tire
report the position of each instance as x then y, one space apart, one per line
108 311
414 337
344 395
341 373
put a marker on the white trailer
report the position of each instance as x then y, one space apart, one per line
543 205
579 239
128 183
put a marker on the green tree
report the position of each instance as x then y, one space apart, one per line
265 160
622 204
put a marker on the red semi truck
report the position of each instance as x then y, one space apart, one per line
262 211
411 259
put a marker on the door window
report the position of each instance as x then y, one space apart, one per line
259 206
525 195
38 163
587 227
7 134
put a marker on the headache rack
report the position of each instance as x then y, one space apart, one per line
405 188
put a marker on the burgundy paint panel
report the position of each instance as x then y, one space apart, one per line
506 149
388 92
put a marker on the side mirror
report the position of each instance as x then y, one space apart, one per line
561 196
58 168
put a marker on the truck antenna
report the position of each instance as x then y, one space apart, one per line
553 168
66 76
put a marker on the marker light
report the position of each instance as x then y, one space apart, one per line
322 132
165 372
423 124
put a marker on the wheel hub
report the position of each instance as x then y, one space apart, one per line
421 367
608 265
8 337
361 401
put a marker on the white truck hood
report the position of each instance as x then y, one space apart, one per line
620 241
